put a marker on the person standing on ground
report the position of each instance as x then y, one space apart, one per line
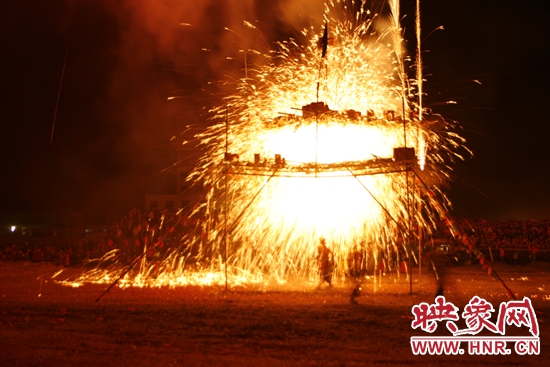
438 262
326 262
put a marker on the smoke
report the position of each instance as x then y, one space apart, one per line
126 58
138 54
166 48
302 13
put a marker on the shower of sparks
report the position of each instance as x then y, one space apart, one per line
335 175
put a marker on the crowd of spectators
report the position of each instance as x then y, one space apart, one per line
515 242
155 231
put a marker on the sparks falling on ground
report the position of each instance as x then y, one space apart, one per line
327 138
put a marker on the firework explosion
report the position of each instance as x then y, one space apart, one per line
309 145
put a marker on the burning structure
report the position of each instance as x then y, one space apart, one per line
326 138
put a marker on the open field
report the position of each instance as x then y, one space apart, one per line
45 324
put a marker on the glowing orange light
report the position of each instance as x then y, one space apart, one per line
335 176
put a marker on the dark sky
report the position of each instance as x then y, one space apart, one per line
124 58
504 45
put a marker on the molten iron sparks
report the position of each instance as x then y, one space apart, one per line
303 149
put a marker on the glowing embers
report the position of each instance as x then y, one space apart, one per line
170 278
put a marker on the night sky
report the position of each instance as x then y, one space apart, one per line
114 124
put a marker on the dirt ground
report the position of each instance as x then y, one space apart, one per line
43 323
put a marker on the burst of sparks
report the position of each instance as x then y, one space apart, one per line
335 175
